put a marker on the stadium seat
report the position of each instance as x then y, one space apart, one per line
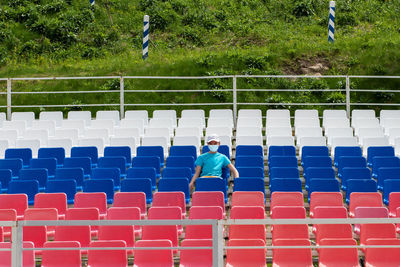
7 215
256 172
247 198
246 257
331 199
137 114
38 174
48 163
91 213
9 135
100 185
316 161
12 164
80 115
144 172
108 173
283 172
176 185
113 162
138 185
242 150
382 257
39 234
119 151
249 184
292 257
103 258
54 258
147 161
329 256
167 213
74 125
53 152
97 142
92 200
354 173
394 203
79 162
28 187
188 140
350 161
178 172
131 199
318 173
289 231
247 231
279 131
156 232
28 255
323 185
389 186
364 199
183 151
369 212
126 137
388 162
368 231
181 161
280 140
202 257
86 151
323 231
5 178
202 213
348 151
249 161
71 173
170 199
374 141
62 186
282 161
209 198
148 258
285 185
52 200
314 151
359 186
74 233
25 154
126 213
152 151
381 151
282 199
210 184
385 173
281 151
18 202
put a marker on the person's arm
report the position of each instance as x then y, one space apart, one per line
233 170
195 176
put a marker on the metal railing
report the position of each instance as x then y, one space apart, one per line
218 243
234 90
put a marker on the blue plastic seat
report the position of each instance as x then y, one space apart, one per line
86 151
349 151
81 162
351 162
316 161
76 174
307 151
382 151
379 162
389 186
242 150
283 161
354 173
53 152
281 151
285 185
100 185
12 164
183 151
175 185
138 185
318 173
28 187
5 178
323 185
148 161
48 163
249 161
119 151
177 172
108 173
284 172
181 161
25 154
113 162
151 151
249 184
38 174
355 185
143 172
212 184
256 172
62 186
386 173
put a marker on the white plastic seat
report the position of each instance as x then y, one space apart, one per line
85 116
336 123
389 123
158 132
374 141
308 132
363 113
250 113
18 125
331 133
393 134
249 122
227 131
56 116
162 123
282 122
48 125
125 141
389 114
157 141
166 114
191 122
128 132
28 117
219 122
133 123
334 113
42 135
194 113
97 142
306 122
74 124
138 115
369 132
221 113
278 113
280 141
33 144
249 131
103 124
343 141
189 131
311 141
306 113
3 116
3 146
108 115
10 135
65 143
188 141
397 146
249 140
278 131
72 134
98 133
365 123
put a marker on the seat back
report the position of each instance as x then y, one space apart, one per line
154 257
201 257
103 258
90 200
245 257
28 187
331 199
28 255
86 151
79 162
292 257
52 200
382 256
138 185
53 258
25 154
329 256
53 152
131 199
62 186
248 198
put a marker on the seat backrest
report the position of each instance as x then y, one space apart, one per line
382 256
360 186
51 200
249 150
371 212
248 198
107 173
143 172
154 257
28 255
394 203
87 200
143 185
25 154
62 186
38 174
86 151
249 184
76 174
246 257
80 115
53 152
175 185
283 161
291 199
113 162
176 172
368 231
56 116
292 257
211 184
80 162
116 151
48 163
329 256
285 185
131 199
53 258
280 140
210 198
364 199
28 187
100 258
100 185
340 151
150 150
147 161
251 172
82 214
183 151
170 199
201 257
331 199
41 214
181 161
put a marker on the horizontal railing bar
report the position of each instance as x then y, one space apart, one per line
291 76
177 91
66 105
181 104
375 104
291 90
375 91
120 248
313 247
374 77
179 77
119 222
67 92
118 91
3 93
8 223
66 78
294 104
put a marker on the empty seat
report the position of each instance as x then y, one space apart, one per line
147 161
278 131
314 151
211 184
394 203
380 257
318 173
176 185
248 198
28 187
316 161
5 178
280 141
108 173
80 115
119 151
379 162
249 140
92 200
130 142
18 202
75 125
108 115
369 212
251 171
33 144
167 213
103 258
285 185
138 185
148 258
38 174
354 151
249 184
209 198
52 200
28 255
53 258
329 256
290 199
25 154
156 232
100 185
150 151
181 161
38 234
178 172
86 151
323 231
89 214
137 114
47 163
76 174
170 199
247 231
282 161
79 162
350 161
331 199
131 199
389 186
368 231
292 231
374 141
144 172
292 257
246 257
113 162
323 185
201 257
365 199
386 151
354 173
54 152
183 151
362 185
62 186
311 141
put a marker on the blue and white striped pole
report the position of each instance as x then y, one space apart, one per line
92 2
145 37
331 32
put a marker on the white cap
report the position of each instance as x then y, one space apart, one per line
213 137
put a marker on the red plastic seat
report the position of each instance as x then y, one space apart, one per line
91 214
292 257
198 213
394 203
52 200
378 231
1 234
196 258
292 199
126 213
120 232
325 199
153 258
248 198
28 255
131 199
166 213
382 257
56 258
329 212
357 199
7 215
92 200
369 212
168 199
18 202
79 233
329 256
247 231
295 231
246 257
107 258
211 198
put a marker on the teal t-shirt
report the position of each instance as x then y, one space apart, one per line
212 164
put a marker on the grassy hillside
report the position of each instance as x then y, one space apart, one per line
203 37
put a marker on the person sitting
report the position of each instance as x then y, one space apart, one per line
210 164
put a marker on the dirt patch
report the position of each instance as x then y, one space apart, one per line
308 66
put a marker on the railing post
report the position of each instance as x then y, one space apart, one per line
9 98
17 245
218 243
348 96
234 99
121 97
